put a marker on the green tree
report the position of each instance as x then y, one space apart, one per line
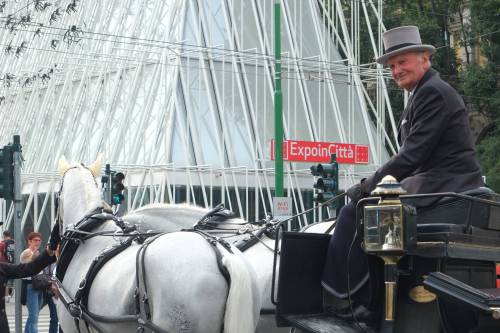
488 151
479 81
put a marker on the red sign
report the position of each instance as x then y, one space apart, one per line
310 151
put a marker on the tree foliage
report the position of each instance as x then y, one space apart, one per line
480 82
488 151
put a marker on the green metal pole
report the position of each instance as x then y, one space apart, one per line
278 104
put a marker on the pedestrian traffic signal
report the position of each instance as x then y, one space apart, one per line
328 182
117 188
7 172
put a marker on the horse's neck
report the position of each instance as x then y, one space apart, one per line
72 215
78 204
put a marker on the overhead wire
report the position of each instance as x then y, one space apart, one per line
231 71
241 55
340 70
212 49
215 48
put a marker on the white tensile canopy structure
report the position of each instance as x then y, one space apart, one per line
178 95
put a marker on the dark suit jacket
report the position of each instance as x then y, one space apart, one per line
437 152
16 271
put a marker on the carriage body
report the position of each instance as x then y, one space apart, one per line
457 237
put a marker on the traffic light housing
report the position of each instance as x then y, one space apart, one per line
112 185
327 183
117 188
7 172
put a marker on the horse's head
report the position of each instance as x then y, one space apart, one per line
79 193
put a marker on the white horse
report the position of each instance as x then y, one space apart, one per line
168 217
187 291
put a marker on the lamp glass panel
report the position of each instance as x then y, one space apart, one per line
383 228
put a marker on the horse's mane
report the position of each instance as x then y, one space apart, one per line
170 207
181 209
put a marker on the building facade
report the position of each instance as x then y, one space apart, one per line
179 95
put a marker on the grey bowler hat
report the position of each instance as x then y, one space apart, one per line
401 40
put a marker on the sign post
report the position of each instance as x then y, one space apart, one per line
282 208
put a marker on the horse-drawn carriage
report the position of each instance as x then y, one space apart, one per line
452 247
439 262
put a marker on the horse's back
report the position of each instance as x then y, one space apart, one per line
320 227
164 217
186 291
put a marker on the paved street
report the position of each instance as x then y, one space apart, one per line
43 322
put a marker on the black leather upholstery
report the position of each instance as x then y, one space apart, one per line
447 213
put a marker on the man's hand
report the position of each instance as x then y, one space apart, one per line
52 253
357 192
354 192
55 237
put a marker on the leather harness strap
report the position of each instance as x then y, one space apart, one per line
78 306
212 240
142 306
72 238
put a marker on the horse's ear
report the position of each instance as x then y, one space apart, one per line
95 167
63 165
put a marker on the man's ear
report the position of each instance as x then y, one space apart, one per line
426 57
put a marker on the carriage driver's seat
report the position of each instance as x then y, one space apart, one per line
451 214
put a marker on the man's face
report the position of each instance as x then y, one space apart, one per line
408 68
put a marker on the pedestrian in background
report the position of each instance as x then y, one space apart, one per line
34 298
7 250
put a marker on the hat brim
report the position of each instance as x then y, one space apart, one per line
412 48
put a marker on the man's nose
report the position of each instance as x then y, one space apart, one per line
395 71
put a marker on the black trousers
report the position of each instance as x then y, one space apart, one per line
346 258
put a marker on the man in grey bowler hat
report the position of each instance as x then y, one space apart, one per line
436 155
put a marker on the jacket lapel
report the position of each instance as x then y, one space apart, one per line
431 72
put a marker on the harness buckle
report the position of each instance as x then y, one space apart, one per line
225 244
82 284
75 311
147 309
243 230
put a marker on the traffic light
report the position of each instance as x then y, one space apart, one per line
112 185
7 172
328 182
117 188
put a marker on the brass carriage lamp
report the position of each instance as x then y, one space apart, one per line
389 231
384 227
